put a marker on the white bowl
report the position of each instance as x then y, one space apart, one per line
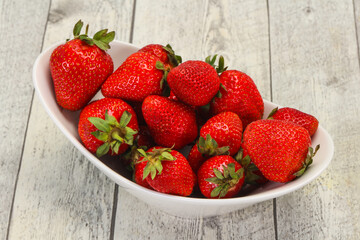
175 205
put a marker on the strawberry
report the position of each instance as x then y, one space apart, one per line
196 158
221 134
80 66
280 149
220 177
107 124
166 171
171 123
194 82
305 120
239 95
136 78
165 54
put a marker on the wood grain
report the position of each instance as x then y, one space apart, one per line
239 31
312 63
315 68
60 195
20 43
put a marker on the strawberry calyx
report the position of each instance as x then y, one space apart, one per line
154 160
308 161
112 132
174 59
209 147
220 66
101 39
225 180
271 114
250 168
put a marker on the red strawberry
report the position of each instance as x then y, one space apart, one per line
220 177
280 149
172 96
136 78
107 124
165 54
305 120
221 134
171 123
166 171
196 158
239 95
80 66
194 82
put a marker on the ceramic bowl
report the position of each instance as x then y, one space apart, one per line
189 207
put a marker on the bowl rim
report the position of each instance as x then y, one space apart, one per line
130 185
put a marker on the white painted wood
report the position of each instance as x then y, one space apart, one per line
20 42
195 29
60 195
315 68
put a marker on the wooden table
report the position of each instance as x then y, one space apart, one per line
302 54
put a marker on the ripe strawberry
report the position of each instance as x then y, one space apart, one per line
280 149
172 96
80 66
239 95
220 135
107 124
194 82
220 177
136 78
305 120
165 54
171 123
166 171
196 158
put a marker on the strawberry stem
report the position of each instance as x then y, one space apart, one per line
101 39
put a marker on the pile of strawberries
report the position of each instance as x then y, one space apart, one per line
154 106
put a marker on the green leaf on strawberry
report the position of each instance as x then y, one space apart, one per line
112 133
154 160
225 180
209 147
308 160
101 38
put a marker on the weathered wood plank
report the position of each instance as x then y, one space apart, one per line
20 42
60 195
315 68
239 31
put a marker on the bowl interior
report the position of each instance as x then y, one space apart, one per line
67 122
